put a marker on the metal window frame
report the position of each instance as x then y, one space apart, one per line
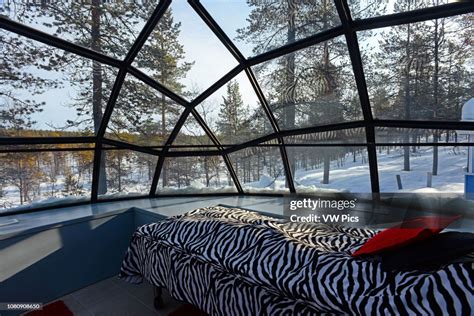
348 29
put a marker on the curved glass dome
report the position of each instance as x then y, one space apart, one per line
124 99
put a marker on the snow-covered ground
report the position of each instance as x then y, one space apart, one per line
49 194
351 177
355 177
451 170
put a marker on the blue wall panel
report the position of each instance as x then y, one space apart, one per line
46 265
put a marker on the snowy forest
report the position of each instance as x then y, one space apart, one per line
418 71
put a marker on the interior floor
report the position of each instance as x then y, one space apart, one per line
117 297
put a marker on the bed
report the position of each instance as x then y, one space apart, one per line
229 261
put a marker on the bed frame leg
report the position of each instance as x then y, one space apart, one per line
158 298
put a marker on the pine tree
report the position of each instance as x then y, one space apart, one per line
163 58
21 61
232 115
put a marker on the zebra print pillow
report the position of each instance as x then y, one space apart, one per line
228 261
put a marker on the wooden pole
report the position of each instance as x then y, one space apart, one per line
399 182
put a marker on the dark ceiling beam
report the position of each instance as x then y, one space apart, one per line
438 125
323 128
40 150
273 122
57 42
161 159
298 45
253 142
119 145
215 152
214 87
431 13
157 86
217 30
132 147
217 143
295 132
111 102
261 98
101 132
46 140
358 70
212 137
146 31
446 125
194 153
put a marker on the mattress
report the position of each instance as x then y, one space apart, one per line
229 261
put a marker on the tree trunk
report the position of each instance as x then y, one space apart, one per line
414 138
206 169
435 155
406 149
164 168
435 95
21 183
327 162
119 172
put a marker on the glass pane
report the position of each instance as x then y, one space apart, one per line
191 133
370 8
330 169
207 174
420 71
416 135
183 54
234 112
413 164
353 135
108 27
125 173
260 26
48 92
313 86
260 169
142 115
29 180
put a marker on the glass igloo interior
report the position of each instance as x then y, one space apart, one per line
236 157
108 100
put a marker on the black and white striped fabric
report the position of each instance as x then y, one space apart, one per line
229 261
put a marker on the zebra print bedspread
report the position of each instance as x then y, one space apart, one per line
229 261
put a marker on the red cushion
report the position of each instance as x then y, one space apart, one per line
57 308
406 233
